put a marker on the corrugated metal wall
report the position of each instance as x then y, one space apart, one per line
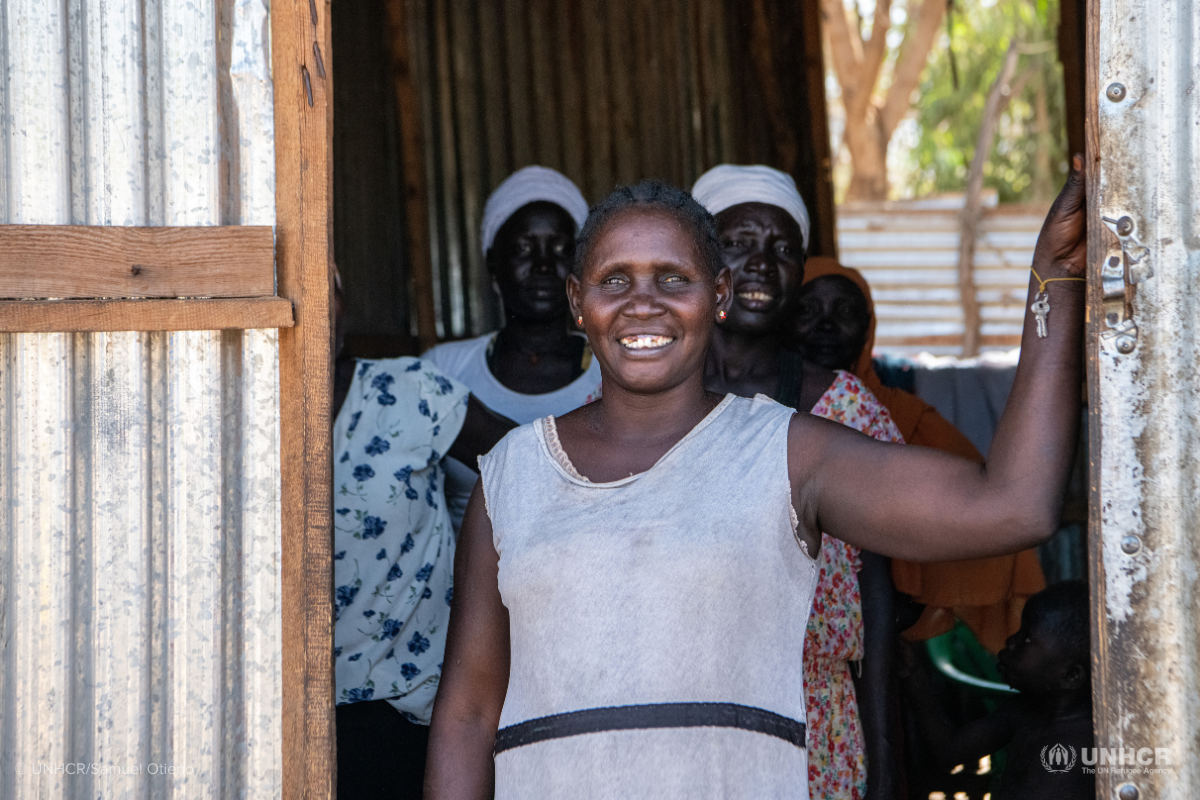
609 92
908 252
139 472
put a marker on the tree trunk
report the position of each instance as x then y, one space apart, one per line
1043 180
868 152
870 121
973 205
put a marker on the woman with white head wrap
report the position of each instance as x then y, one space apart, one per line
763 227
537 364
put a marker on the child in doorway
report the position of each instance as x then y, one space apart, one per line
1048 724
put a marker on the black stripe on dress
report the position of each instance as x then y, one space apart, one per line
652 715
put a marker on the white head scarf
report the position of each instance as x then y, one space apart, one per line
729 185
530 185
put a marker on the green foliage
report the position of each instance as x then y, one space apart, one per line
1027 161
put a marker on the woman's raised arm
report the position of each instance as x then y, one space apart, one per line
475 671
920 504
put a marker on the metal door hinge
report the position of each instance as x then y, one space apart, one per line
1123 267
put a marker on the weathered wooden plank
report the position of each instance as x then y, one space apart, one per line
598 125
722 71
548 145
689 129
454 324
464 56
676 139
74 261
419 19
772 114
370 243
496 120
412 158
516 55
241 313
647 79
702 81
626 150
824 241
303 193
570 90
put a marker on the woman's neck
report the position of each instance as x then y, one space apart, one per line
743 363
647 421
535 357
534 336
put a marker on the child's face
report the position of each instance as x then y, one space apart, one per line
1031 660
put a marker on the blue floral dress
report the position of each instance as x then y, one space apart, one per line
393 544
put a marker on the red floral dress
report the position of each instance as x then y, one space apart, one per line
837 762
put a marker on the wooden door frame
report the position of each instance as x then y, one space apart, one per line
301 62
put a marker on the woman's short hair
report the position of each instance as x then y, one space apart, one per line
659 196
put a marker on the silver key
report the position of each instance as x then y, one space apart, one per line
1040 309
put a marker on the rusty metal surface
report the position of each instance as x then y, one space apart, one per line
1146 379
140 650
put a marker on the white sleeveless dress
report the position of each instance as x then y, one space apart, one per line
669 607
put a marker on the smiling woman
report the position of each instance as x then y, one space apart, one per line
761 221
633 578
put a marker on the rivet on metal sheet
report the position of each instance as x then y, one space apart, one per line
1116 92
1128 792
1130 544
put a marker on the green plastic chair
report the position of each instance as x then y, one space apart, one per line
959 656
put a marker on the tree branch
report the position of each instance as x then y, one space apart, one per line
845 49
875 50
997 99
911 63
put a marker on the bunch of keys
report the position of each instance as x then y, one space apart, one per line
1041 309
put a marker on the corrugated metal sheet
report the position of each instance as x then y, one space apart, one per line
609 92
140 646
1146 398
908 252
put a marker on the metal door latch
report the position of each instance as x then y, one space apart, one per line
1121 268
1122 331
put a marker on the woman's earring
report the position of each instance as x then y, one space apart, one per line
721 315
579 321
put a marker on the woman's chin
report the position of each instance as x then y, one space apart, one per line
644 374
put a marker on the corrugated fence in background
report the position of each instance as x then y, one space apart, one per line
139 472
908 252
609 92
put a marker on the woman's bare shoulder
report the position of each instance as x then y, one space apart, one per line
812 440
